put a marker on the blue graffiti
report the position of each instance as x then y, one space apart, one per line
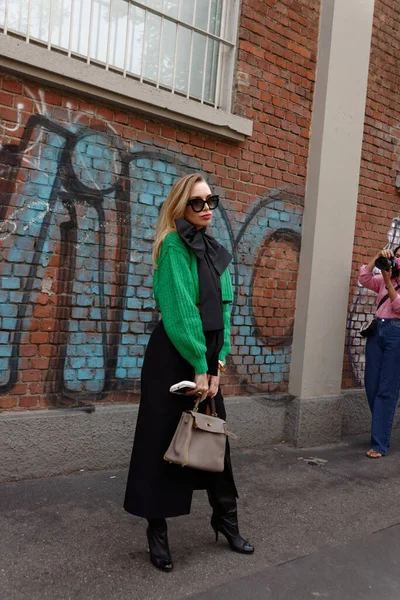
94 206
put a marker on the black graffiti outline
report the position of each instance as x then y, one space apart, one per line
65 188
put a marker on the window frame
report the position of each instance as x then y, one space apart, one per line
45 62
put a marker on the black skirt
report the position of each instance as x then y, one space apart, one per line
156 488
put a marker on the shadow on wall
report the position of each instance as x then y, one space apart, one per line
78 214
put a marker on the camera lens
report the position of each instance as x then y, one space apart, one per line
383 263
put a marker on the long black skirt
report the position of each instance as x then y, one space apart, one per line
156 488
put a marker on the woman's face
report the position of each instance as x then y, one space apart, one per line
203 218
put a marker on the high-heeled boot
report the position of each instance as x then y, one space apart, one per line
157 536
224 518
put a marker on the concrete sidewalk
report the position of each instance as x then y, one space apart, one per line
365 569
311 515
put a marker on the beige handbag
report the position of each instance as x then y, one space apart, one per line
199 441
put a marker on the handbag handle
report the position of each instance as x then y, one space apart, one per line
212 402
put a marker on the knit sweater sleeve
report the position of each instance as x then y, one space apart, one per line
180 315
227 298
226 348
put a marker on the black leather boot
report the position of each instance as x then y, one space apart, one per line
224 518
157 536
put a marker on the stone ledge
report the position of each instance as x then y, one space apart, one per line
55 68
54 442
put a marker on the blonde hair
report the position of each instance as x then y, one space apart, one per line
173 208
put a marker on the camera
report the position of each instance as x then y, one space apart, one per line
384 264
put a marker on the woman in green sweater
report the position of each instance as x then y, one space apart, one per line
193 290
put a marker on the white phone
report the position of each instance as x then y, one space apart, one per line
182 387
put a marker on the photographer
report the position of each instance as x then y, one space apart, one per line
382 373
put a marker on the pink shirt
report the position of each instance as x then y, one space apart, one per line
376 283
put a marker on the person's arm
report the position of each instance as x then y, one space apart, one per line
226 348
393 295
371 265
227 299
180 315
366 276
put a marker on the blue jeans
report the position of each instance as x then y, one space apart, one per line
382 380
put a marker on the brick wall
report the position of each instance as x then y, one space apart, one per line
378 204
81 185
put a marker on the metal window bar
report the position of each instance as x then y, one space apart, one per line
143 62
41 11
71 22
80 37
128 18
5 17
60 28
224 46
28 25
109 35
50 26
98 28
154 11
191 50
160 52
219 65
90 33
231 25
130 69
115 45
176 49
205 55
20 20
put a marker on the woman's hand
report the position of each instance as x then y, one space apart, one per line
201 388
386 253
214 385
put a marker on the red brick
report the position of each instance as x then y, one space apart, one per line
197 140
40 363
136 123
182 136
104 113
29 375
36 388
28 350
12 86
39 337
169 132
7 402
153 128
19 389
121 117
51 98
6 99
9 114
46 350
42 311
29 401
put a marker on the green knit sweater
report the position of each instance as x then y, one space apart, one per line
176 290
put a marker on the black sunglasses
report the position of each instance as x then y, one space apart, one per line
198 204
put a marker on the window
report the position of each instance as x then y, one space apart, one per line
186 47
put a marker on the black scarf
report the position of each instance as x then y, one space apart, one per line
212 260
